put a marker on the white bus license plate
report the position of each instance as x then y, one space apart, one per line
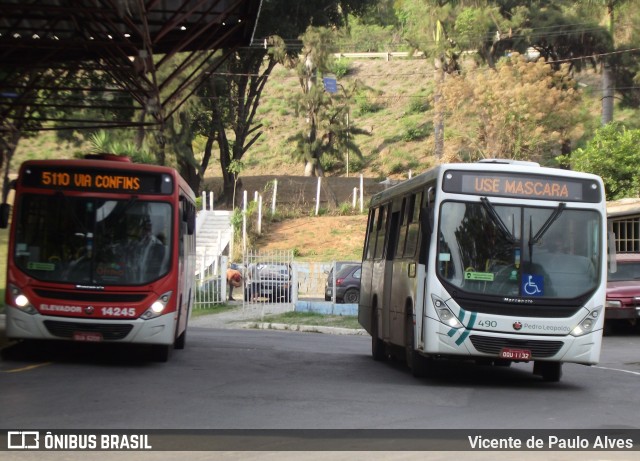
87 336
515 354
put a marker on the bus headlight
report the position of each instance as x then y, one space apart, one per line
587 324
21 301
157 307
445 314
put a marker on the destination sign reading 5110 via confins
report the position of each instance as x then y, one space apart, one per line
89 181
98 180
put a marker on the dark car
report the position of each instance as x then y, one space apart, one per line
338 265
347 284
623 289
268 280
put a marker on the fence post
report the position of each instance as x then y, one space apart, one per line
361 193
244 222
273 200
294 284
355 197
223 279
318 195
260 214
204 200
211 201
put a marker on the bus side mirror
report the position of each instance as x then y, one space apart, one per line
5 211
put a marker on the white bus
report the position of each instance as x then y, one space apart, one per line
497 261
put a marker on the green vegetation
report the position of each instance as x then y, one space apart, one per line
312 318
213 309
607 155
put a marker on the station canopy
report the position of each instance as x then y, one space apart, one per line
154 51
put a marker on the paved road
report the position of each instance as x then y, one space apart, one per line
229 378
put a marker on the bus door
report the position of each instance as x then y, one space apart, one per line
393 321
364 307
378 276
404 284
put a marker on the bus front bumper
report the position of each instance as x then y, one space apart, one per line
583 349
159 330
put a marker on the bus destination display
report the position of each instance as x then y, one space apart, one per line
521 185
97 180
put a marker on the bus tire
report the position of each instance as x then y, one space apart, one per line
551 372
161 352
378 348
419 365
181 340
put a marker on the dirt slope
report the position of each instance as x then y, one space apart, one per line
318 238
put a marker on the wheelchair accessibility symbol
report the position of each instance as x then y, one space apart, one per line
532 285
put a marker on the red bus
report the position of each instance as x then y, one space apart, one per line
101 250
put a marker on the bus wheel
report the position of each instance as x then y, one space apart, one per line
419 365
378 348
161 352
181 340
550 371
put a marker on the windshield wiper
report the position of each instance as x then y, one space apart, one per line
545 227
547 224
495 217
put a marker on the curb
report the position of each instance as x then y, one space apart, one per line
302 328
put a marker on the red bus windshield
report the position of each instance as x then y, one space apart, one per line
82 240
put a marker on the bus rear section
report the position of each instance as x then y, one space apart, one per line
101 251
514 269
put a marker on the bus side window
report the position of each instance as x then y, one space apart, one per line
381 230
402 234
370 244
413 226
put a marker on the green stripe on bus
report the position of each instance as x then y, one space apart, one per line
464 335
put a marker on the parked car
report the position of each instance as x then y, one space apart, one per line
623 290
268 280
338 265
347 284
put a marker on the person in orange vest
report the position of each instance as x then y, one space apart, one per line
234 280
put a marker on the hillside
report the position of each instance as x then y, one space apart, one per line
321 238
390 114
395 111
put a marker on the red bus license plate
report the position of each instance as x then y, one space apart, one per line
87 336
515 354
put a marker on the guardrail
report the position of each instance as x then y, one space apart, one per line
387 55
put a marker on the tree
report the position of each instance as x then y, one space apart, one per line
30 105
428 27
232 95
612 154
327 131
520 110
231 98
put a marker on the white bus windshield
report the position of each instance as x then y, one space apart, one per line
518 251
92 241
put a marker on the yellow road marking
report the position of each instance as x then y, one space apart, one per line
30 367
